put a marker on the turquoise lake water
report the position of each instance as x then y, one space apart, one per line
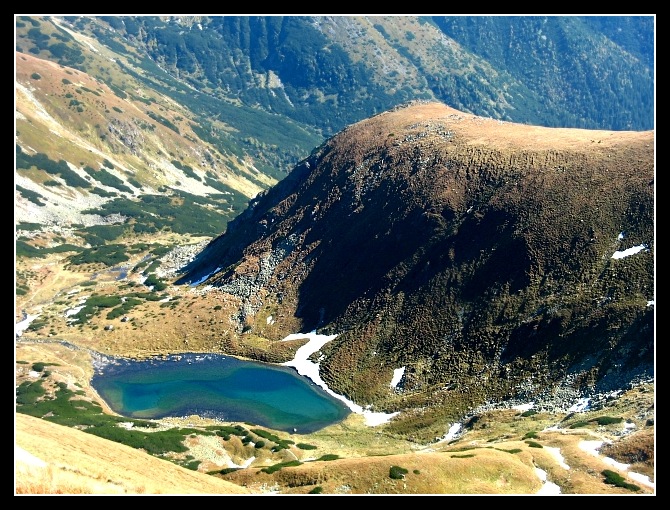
218 387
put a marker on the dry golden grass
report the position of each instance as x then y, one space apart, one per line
480 462
73 461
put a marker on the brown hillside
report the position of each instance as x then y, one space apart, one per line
477 254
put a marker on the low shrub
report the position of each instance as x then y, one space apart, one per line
276 467
397 473
329 456
579 424
511 450
614 478
607 420
39 366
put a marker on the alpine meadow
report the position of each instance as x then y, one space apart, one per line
444 223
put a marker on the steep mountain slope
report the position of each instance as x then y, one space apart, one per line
134 126
81 145
485 258
330 71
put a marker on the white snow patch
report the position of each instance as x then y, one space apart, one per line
548 488
311 370
581 405
397 376
629 251
20 327
556 453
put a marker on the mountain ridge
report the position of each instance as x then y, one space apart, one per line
493 261
408 213
345 167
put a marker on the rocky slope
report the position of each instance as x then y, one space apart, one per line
112 147
481 256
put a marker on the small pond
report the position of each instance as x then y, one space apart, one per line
218 387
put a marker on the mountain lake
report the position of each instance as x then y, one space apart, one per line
217 387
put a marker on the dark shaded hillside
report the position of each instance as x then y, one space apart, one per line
475 253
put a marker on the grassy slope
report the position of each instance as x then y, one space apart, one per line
494 456
80 463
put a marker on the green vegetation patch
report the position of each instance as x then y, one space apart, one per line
109 255
511 450
107 179
23 249
607 420
163 120
97 235
187 170
153 281
29 392
121 305
579 424
181 213
42 162
30 227
397 472
614 478
223 471
69 410
329 457
226 431
600 420
103 193
39 366
276 467
38 324
123 309
32 196
281 444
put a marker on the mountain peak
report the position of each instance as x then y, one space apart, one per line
476 253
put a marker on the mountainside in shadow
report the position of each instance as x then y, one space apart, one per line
490 260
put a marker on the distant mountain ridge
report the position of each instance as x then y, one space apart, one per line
476 253
237 101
